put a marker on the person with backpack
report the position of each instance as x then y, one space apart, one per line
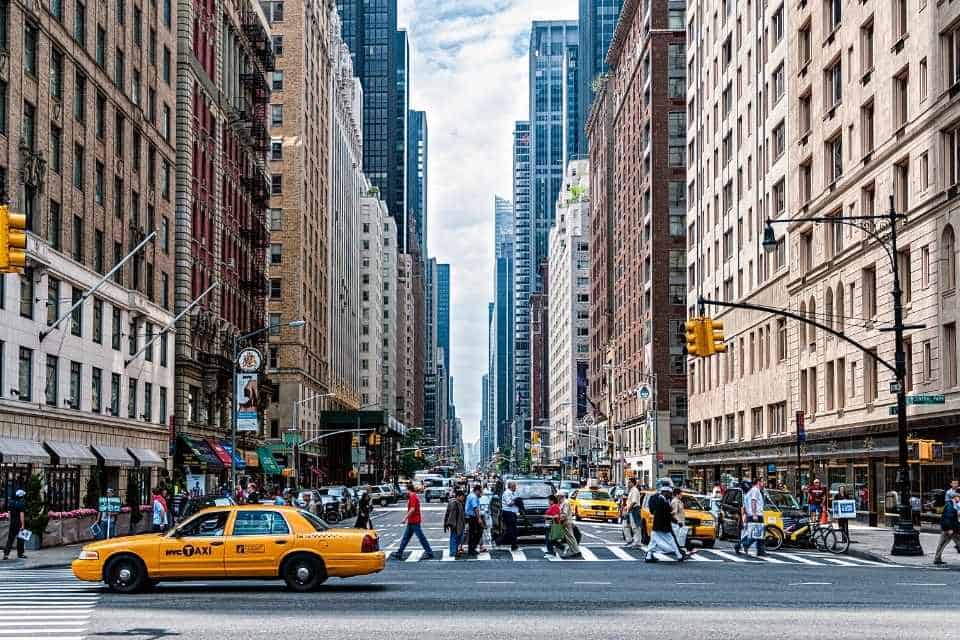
17 508
662 539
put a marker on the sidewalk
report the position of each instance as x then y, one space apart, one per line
48 558
874 543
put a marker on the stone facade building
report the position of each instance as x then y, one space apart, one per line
87 154
857 112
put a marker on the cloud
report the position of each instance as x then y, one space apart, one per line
470 74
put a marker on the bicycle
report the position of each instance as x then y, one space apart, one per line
810 534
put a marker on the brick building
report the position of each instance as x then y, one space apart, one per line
87 154
222 237
644 256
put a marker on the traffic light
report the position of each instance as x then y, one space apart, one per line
714 330
377 439
696 338
371 440
13 240
535 437
418 454
355 443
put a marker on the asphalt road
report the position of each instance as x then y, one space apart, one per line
505 597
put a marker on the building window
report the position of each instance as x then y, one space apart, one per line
899 16
779 197
26 293
97 321
75 372
276 115
56 74
276 184
76 318
277 46
25 375
98 187
96 390
948 259
132 400
779 84
868 280
866 128
833 14
923 79
833 84
80 23
676 70
779 140
806 181
148 342
163 405
866 47
276 253
677 138
119 72
276 219
163 349
901 185
52 384
115 394
276 149
276 288
834 158
53 300
804 48
31 35
901 85
148 401
101 47
115 329
277 78
78 238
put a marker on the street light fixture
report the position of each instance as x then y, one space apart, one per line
237 339
906 539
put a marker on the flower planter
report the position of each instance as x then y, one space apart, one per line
76 530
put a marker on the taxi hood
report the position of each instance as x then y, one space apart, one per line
123 542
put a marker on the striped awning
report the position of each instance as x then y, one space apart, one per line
72 453
112 456
14 451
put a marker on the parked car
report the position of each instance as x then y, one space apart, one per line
390 493
328 505
348 500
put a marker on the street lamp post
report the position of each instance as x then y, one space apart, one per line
237 339
295 449
906 539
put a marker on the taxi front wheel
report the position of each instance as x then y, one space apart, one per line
126 574
303 573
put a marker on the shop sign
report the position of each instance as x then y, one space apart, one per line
249 361
109 505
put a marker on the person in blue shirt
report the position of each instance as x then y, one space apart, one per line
474 520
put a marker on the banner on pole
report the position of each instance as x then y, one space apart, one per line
247 398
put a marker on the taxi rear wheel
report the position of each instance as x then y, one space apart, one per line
126 574
303 573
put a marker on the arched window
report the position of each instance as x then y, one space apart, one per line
841 309
828 308
948 260
803 325
812 314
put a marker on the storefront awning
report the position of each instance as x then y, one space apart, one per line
13 451
112 456
268 463
70 453
146 457
222 450
238 459
200 454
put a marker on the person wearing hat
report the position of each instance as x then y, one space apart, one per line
662 539
17 508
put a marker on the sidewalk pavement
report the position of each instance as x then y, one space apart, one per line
48 558
875 543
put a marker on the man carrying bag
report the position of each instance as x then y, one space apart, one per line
17 531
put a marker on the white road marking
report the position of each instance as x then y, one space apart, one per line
769 558
809 584
590 582
727 556
921 584
588 555
700 557
496 582
692 584
518 556
620 553
447 557
843 563
799 558
415 555
484 556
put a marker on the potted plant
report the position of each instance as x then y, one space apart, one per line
36 517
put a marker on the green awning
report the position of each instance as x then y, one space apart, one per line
268 463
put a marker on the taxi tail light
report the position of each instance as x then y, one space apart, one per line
370 544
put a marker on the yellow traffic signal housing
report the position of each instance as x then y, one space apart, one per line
418 454
696 338
371 440
376 439
355 443
716 342
13 240
535 437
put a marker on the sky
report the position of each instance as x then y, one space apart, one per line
470 74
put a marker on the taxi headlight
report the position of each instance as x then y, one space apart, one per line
88 555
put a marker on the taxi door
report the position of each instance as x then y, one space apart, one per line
257 541
194 549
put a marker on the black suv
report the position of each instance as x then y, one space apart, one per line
533 495
728 523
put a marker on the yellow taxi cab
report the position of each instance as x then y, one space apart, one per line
701 524
234 542
593 504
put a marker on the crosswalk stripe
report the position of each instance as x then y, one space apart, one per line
702 557
484 556
447 556
769 558
620 553
415 555
840 562
518 556
727 556
798 558
588 555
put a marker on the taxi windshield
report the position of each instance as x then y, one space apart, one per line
593 495
690 502
782 500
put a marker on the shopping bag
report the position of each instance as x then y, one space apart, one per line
824 516
96 530
626 528
755 530
680 532
25 535
557 532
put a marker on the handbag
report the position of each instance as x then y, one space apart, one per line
557 532
755 530
25 535
680 532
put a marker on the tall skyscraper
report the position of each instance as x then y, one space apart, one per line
501 369
430 349
417 147
598 20
370 31
443 312
521 263
398 178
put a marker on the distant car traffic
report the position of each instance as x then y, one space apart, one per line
533 495
593 504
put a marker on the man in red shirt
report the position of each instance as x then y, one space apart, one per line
816 498
413 520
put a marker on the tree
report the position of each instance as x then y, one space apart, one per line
409 463
35 515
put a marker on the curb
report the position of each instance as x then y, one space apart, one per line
867 555
49 565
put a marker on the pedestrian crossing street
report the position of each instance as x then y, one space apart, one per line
45 604
617 553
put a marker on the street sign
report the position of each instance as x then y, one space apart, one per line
926 399
894 387
801 427
291 438
109 505
644 392
358 455
893 410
